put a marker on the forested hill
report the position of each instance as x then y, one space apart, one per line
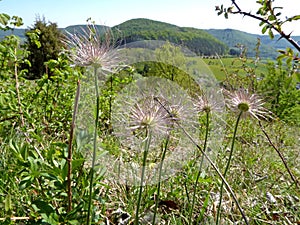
202 42
198 41
234 38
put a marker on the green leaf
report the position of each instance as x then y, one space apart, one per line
265 28
8 205
18 21
73 222
272 18
44 207
50 218
77 163
280 57
296 17
25 182
271 35
4 18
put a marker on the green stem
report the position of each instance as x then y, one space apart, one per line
159 178
94 147
218 172
228 164
212 164
200 169
146 150
70 147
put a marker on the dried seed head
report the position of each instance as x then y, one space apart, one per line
95 48
248 104
148 116
207 103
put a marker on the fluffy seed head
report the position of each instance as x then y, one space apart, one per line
148 116
92 47
248 104
207 103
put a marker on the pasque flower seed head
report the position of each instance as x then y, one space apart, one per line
90 48
248 104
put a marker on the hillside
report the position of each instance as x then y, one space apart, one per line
197 40
202 42
17 32
81 28
233 38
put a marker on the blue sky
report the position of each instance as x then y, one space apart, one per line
188 13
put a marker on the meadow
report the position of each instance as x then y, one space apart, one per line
155 138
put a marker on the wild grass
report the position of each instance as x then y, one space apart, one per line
35 161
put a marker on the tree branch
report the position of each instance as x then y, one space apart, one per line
280 155
279 31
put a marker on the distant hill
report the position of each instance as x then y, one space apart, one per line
81 28
17 32
268 48
197 40
202 42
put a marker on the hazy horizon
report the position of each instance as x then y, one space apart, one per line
199 14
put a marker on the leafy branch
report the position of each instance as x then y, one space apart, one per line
268 16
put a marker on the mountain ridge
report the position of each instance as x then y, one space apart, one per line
201 41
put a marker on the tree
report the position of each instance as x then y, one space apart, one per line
44 42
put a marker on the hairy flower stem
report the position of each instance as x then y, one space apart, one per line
17 89
70 147
94 146
280 155
146 150
200 169
159 178
228 164
213 165
219 174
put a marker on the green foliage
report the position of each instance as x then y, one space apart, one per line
11 56
279 87
35 119
44 43
6 21
279 84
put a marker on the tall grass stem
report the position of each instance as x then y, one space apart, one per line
17 88
296 182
